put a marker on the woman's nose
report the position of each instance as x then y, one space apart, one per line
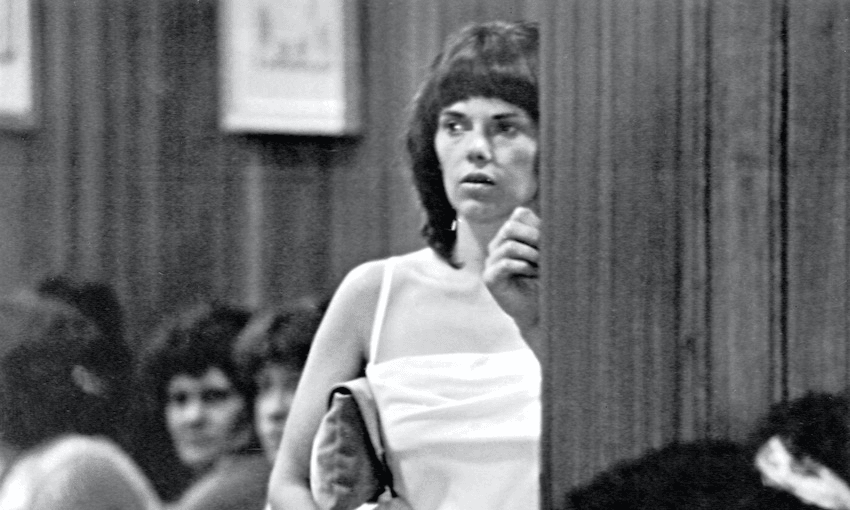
479 151
278 413
276 407
193 411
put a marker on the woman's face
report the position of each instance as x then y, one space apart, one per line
275 389
487 150
206 417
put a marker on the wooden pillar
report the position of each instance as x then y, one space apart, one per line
610 178
664 251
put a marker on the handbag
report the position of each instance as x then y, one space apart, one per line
347 463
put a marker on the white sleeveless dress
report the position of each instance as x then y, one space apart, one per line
462 430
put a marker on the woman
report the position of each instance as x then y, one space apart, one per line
54 415
271 352
206 407
456 384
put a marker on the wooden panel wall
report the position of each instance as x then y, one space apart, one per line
610 177
818 195
744 212
695 174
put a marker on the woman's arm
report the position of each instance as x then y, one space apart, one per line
338 354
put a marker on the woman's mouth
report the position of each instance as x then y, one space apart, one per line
478 178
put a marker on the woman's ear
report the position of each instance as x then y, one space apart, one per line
87 381
807 479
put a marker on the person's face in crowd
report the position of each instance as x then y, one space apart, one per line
275 389
487 150
206 417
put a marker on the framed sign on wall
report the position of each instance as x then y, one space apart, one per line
18 99
290 67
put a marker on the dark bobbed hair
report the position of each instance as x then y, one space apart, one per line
496 59
280 335
41 342
192 342
99 303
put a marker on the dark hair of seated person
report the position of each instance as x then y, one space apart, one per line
42 341
112 360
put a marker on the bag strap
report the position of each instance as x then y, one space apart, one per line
7 468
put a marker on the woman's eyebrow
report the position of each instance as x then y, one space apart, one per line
508 115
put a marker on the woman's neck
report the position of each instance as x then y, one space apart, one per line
471 245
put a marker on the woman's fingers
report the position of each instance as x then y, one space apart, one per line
515 246
515 257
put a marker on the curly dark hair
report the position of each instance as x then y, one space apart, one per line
199 338
279 335
496 59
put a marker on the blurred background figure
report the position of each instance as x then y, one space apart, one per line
55 414
112 360
271 352
205 406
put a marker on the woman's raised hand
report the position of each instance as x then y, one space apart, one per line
511 271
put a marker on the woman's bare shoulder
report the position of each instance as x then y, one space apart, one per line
75 447
81 453
366 278
76 469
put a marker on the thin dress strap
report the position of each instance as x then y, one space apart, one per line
381 309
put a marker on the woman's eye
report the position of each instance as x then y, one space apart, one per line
177 398
507 128
211 396
263 382
451 126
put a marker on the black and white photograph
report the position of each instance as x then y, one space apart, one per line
424 254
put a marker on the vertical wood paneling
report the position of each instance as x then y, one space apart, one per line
254 227
609 183
13 208
744 237
358 209
418 37
694 368
188 221
400 49
818 194
296 244
145 198
58 137
116 263
94 196
565 419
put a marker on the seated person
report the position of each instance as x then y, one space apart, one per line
271 352
206 407
113 360
798 458
54 449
